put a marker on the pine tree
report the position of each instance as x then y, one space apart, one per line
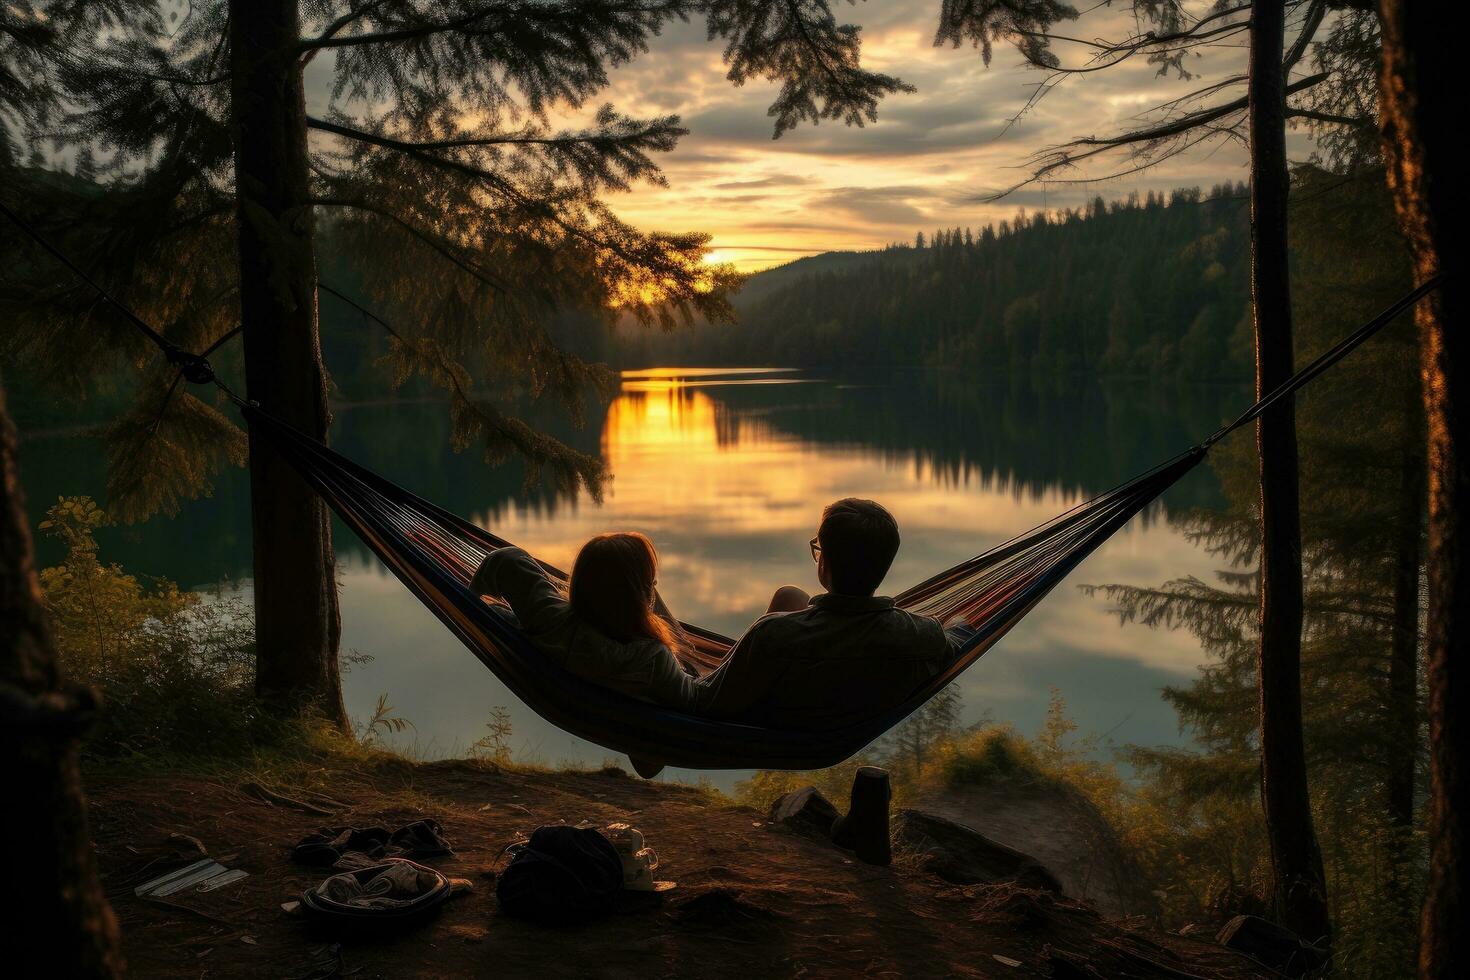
436 168
910 744
86 165
1260 115
1363 462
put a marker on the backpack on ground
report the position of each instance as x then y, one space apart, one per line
561 875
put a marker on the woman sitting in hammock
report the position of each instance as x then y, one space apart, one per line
606 630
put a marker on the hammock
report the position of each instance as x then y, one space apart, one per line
435 554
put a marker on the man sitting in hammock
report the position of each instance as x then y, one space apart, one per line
816 663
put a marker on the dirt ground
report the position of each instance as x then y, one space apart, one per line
752 902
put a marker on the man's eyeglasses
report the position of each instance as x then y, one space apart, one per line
816 549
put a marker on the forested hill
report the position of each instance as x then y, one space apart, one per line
1154 287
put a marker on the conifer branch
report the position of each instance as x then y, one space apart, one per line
1317 115
472 23
480 273
165 449
1154 45
1079 150
331 38
475 419
503 187
336 27
800 44
1315 13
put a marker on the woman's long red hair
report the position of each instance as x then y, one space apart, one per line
612 589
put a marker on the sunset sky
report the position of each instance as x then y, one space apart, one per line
921 166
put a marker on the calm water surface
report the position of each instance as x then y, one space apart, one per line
727 470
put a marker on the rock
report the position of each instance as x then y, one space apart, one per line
963 856
1271 944
805 811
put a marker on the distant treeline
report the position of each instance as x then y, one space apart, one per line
1155 286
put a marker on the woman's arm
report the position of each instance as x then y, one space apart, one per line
669 685
513 575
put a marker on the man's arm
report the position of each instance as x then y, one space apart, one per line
742 681
959 633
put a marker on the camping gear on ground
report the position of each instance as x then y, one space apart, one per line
639 862
205 875
331 845
561 875
395 891
864 830
435 554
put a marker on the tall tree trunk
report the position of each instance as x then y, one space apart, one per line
1301 891
1423 141
1403 667
62 924
297 624
1401 719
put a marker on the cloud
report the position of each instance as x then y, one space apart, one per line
774 180
930 159
878 205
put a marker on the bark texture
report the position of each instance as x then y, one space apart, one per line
1423 141
1296 859
297 622
1403 667
59 922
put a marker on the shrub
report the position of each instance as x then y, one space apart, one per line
175 669
994 754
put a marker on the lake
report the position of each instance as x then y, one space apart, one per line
728 470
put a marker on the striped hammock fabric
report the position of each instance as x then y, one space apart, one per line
435 554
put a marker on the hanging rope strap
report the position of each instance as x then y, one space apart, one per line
1331 356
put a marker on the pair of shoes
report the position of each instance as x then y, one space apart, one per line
864 830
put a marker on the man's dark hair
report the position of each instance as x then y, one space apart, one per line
859 539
